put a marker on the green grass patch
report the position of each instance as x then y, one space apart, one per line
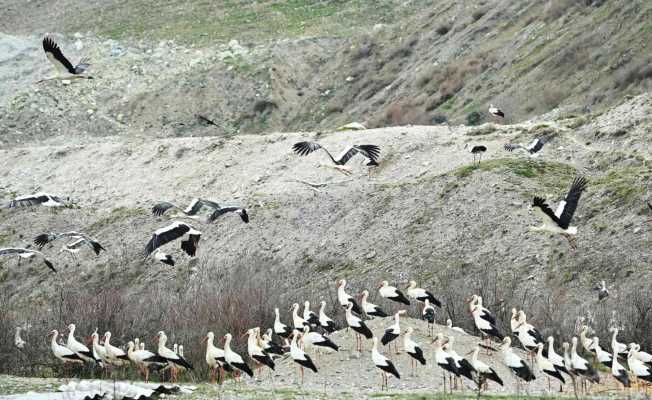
625 185
549 173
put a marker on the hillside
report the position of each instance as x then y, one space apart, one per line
296 65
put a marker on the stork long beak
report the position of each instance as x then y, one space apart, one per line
205 339
243 335
379 285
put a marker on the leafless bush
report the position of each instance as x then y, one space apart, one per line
634 73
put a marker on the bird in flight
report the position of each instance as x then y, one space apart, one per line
63 67
27 253
369 151
177 230
533 148
195 206
558 222
495 111
38 199
80 240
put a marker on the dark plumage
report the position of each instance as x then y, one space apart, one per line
567 207
364 330
429 315
244 368
390 369
173 232
388 337
524 372
307 363
61 63
369 151
265 360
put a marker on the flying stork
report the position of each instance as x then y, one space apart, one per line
27 253
190 238
81 240
369 151
61 64
559 221
195 206
38 199
533 148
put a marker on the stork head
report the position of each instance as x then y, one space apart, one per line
411 285
383 284
565 346
551 340
294 307
71 328
449 323
340 283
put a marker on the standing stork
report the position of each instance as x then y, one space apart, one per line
177 230
495 111
528 335
393 332
554 358
61 64
616 346
581 366
256 352
369 151
602 356
280 328
143 359
477 151
317 339
383 363
483 323
618 371
390 292
309 315
641 355
215 359
421 295
344 298
370 309
449 325
80 349
602 290
444 360
63 353
484 371
515 363
38 199
428 314
464 367
26 253
358 326
234 359
297 321
325 321
173 359
19 343
195 206
637 367
558 222
547 367
413 350
299 356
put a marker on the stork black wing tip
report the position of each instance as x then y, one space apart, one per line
244 216
41 240
538 202
49 265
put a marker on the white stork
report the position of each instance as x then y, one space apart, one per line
298 321
234 359
533 148
309 315
638 367
515 363
19 343
370 309
547 367
602 356
390 292
476 302
641 355
444 360
344 298
99 351
270 346
394 331
528 335
483 323
80 349
602 290
413 349
383 363
256 352
616 346
513 322
190 238
554 358
477 151
358 327
580 365
115 355
485 372
26 253
464 367
61 64
173 359
495 111
558 222
587 343
369 151
215 358
317 339
80 239
325 321
280 328
618 371
428 314
61 352
421 295
143 359
196 206
299 356
38 199
449 325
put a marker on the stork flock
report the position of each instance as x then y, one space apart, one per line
312 330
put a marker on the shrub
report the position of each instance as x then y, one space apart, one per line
634 73
473 118
439 119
